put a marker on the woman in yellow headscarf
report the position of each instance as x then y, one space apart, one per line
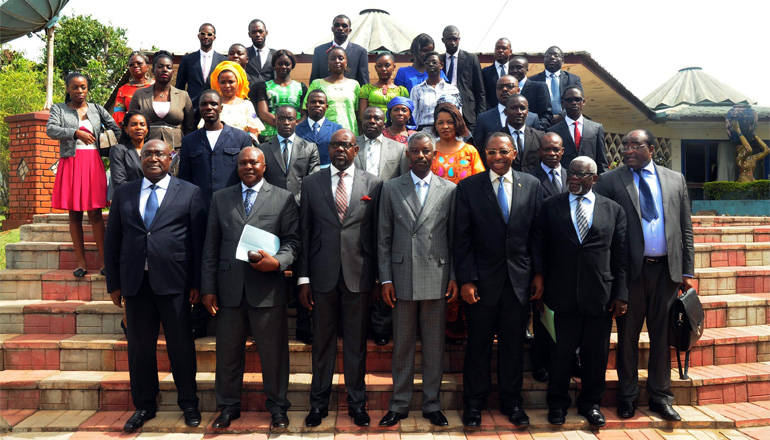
230 80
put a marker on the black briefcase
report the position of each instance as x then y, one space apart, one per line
685 327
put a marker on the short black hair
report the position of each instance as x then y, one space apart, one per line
343 16
573 87
286 106
211 92
650 138
207 24
73 75
256 20
419 42
516 95
317 91
161 54
283 53
384 54
125 139
499 134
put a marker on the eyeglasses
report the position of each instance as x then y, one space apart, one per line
498 152
431 63
506 86
156 154
575 99
626 148
344 145
571 173
205 34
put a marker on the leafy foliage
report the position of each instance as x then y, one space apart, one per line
757 190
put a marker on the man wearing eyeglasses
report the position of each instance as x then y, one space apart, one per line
196 67
358 59
152 257
557 80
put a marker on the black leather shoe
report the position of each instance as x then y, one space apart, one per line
315 417
557 416
280 420
305 337
472 417
381 339
436 418
224 419
666 412
540 375
594 416
360 417
518 417
392 418
626 410
137 420
192 417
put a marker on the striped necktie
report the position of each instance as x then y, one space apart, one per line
341 197
580 218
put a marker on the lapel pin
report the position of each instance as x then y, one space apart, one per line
519 185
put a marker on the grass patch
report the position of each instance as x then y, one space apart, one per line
7 237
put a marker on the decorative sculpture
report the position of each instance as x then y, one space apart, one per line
741 123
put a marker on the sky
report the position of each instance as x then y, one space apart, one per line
642 44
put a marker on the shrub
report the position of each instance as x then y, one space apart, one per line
757 190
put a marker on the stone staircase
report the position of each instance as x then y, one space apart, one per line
63 358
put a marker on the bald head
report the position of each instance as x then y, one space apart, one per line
343 149
156 160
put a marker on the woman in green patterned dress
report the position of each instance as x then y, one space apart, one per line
279 91
380 93
341 92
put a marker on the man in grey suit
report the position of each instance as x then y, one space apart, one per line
414 244
337 270
582 137
661 255
250 293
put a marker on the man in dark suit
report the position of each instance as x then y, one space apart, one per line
358 58
582 137
556 80
152 257
337 270
661 256
463 70
495 256
496 70
196 67
260 66
525 139
250 294
585 255
549 171
536 92
316 128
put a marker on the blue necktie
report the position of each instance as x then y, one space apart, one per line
451 68
316 127
555 95
151 208
503 200
649 212
249 202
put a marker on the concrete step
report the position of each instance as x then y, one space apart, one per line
37 232
709 255
732 279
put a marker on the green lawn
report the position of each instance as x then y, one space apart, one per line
6 237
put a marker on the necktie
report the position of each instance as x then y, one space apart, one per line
341 198
577 137
555 95
555 181
206 66
151 208
502 199
451 68
421 187
502 71
249 202
259 58
316 127
517 140
580 217
285 154
649 212
371 162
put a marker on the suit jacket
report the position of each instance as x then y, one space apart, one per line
190 74
393 161
358 63
584 277
125 165
619 186
274 211
470 83
172 246
212 169
566 79
490 76
63 122
414 243
529 158
591 143
489 122
539 99
487 250
327 245
322 139
179 121
261 73
303 161
545 180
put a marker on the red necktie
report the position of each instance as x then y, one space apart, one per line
577 137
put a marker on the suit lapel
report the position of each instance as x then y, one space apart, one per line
237 198
359 182
627 177
488 190
136 201
134 156
665 196
598 218
222 139
275 147
197 66
326 191
515 197
168 199
563 130
566 218
435 190
263 194
410 195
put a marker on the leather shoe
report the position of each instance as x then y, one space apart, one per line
626 410
557 416
280 420
472 417
436 418
540 375
381 339
315 417
518 417
192 417
305 337
392 418
666 412
594 416
224 419
137 420
360 417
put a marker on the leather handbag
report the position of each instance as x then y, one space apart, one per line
685 327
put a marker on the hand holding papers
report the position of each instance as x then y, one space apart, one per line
256 239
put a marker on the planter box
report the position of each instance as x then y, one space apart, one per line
733 207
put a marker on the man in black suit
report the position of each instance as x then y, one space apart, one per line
582 137
495 257
536 92
585 254
463 70
525 139
152 257
250 294
260 66
358 58
196 67
661 259
556 80
496 70
337 271
549 171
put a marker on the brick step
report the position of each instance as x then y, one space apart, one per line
104 390
732 279
49 255
40 232
711 220
731 234
736 310
709 255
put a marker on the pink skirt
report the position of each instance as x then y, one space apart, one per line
81 182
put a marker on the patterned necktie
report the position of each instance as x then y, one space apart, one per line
151 208
371 163
316 127
285 154
555 95
502 199
249 202
502 71
647 202
578 136
556 182
341 197
580 217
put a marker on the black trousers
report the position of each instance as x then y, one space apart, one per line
540 350
592 335
506 319
381 316
144 313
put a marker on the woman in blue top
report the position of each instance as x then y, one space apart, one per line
412 75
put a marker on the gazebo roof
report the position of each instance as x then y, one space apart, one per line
375 30
693 86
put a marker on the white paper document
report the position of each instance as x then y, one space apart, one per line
254 239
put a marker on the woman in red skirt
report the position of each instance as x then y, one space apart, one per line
81 181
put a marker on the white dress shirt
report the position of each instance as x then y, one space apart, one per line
654 231
548 169
521 83
213 136
206 59
373 151
518 139
263 54
503 117
425 186
571 127
454 66
320 123
507 185
290 146
497 69
548 80
589 200
257 187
